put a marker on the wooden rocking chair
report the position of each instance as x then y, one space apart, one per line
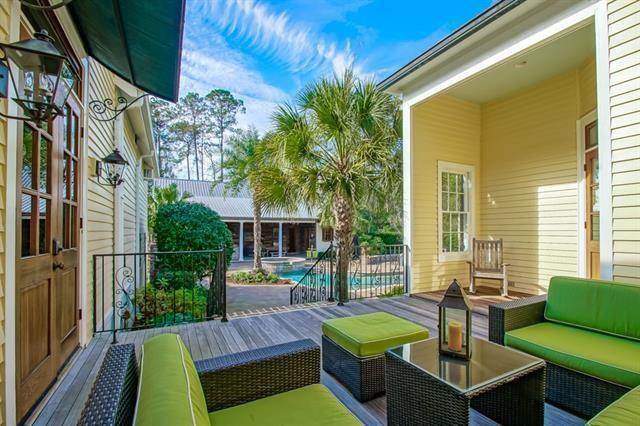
487 264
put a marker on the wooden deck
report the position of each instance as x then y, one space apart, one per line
66 399
483 297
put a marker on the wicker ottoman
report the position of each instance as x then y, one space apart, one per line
353 349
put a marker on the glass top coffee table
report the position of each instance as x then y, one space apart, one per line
424 387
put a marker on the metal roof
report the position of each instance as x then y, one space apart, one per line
232 206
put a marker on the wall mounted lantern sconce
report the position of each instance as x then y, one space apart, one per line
42 78
110 170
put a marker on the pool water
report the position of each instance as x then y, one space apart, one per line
390 280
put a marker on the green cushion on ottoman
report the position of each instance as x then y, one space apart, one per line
372 334
311 405
625 411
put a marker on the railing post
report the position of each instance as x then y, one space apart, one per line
224 286
113 299
331 298
95 298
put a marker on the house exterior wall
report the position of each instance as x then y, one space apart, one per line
529 184
444 129
624 98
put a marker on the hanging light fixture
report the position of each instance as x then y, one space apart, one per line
42 78
110 170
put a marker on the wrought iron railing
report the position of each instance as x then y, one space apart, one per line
374 271
145 290
317 283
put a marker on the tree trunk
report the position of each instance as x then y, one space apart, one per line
343 214
188 166
221 157
257 235
195 149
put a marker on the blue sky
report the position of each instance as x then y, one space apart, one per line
265 51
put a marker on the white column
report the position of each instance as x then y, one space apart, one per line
279 239
241 242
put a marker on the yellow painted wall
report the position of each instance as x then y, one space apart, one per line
624 98
447 129
529 186
4 38
524 148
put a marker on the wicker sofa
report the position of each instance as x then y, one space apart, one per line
588 331
273 385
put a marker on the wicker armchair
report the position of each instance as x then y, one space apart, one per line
227 380
567 389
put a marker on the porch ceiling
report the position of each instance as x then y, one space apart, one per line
532 67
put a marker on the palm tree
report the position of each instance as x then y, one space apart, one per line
245 163
336 148
160 196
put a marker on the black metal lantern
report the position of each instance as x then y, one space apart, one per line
454 322
43 79
110 169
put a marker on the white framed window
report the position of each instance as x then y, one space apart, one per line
455 211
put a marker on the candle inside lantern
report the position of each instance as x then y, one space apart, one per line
455 336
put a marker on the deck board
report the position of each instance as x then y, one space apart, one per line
64 403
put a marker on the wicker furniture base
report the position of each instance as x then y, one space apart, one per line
113 396
415 397
364 377
575 392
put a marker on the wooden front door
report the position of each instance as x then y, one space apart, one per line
592 181
47 267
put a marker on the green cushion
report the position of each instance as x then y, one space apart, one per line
625 411
169 391
600 355
607 306
311 405
372 334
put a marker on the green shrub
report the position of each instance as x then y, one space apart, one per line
188 227
258 277
155 306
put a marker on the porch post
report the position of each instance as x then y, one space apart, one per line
279 239
241 242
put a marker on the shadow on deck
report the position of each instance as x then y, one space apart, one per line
66 399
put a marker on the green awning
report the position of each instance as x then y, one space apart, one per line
139 40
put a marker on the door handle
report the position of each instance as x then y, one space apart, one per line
58 265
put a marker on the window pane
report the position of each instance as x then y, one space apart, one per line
74 134
452 203
446 222
43 227
26 225
595 227
455 219
465 242
445 182
463 222
65 133
73 182
592 136
445 201
459 183
66 212
455 242
73 220
43 179
27 158
65 177
462 203
452 182
446 242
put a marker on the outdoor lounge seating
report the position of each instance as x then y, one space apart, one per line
274 385
353 349
588 331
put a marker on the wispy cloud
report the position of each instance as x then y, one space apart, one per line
276 35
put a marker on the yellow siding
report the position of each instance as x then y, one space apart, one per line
100 208
446 129
529 188
4 38
624 65
524 148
